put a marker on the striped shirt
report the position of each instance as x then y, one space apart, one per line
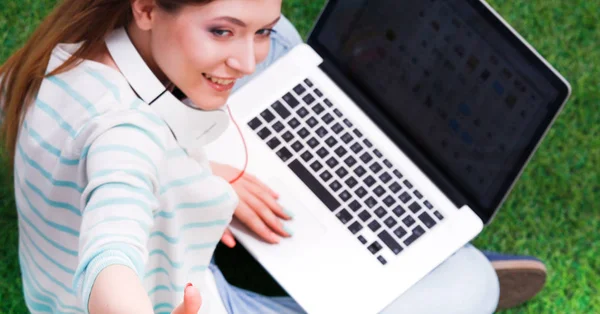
100 180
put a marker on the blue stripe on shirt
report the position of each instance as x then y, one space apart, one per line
56 116
110 86
124 149
45 272
41 234
49 147
50 202
46 174
74 94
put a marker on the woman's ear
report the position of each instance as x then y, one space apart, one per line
143 13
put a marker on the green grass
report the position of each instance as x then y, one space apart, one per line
553 210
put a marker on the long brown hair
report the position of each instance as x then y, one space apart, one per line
73 21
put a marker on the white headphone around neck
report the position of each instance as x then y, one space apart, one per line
192 127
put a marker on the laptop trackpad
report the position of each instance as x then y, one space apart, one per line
304 225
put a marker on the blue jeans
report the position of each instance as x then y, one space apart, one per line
465 283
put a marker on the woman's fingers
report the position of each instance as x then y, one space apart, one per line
264 196
191 301
256 181
251 219
266 214
228 239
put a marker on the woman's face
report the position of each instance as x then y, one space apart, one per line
204 49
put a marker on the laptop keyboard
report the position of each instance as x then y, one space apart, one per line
363 189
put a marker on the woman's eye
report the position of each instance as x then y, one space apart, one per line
265 32
221 32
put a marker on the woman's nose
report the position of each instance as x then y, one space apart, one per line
244 59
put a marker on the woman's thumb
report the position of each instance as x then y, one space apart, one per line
191 301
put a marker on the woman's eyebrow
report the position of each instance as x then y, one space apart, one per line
240 23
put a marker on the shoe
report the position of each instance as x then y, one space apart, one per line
520 277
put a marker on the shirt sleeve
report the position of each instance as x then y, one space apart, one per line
122 168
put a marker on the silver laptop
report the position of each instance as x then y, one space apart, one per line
393 135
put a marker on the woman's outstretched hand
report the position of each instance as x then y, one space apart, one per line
258 208
191 301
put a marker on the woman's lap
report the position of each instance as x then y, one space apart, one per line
465 283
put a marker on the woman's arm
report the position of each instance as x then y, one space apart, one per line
121 285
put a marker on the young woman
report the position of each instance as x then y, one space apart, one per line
114 216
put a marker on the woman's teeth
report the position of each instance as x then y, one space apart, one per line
218 80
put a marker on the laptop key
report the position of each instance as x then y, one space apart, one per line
375 167
345 196
366 157
331 141
327 118
385 177
397 174
364 215
428 205
267 115
314 185
374 247
408 221
299 89
341 172
362 239
371 202
350 161
398 211
369 181
374 225
418 194
321 132
355 227
303 133
341 151
390 242
281 110
326 175
346 138
328 103
427 220
290 100
322 152
348 123
405 197
254 123
308 99
318 92
332 162
381 260
287 136
297 146
395 187
380 212
344 216
400 232
317 109
389 201
335 186
337 112
354 205
408 184
337 128
438 215
417 232
273 143
284 154
293 123
351 182
368 143
316 166
302 112
387 163
377 153
360 192
360 171
308 83
379 190
264 133
312 122
312 142
390 222
307 156
278 126
357 133
414 207
356 147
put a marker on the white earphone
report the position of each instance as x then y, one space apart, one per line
192 127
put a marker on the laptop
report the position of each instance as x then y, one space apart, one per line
393 135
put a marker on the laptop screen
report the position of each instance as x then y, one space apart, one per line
452 77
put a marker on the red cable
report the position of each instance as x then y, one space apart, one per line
245 148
